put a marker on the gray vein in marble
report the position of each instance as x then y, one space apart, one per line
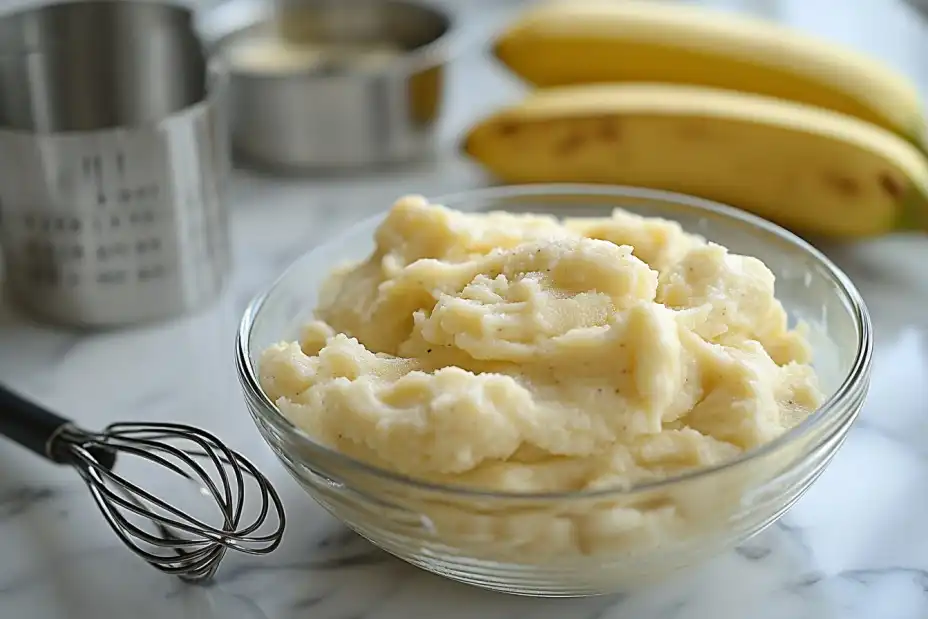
917 576
336 549
240 571
69 343
804 581
18 501
908 441
858 589
753 552
795 533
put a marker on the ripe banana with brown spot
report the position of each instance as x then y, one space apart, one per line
645 41
809 169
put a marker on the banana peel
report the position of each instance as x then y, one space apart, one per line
565 43
810 169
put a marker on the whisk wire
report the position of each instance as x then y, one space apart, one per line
202 528
209 444
201 478
243 532
238 465
195 526
146 451
160 441
192 566
180 543
101 493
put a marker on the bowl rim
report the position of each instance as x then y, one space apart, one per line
831 407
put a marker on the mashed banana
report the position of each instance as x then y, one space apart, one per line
524 354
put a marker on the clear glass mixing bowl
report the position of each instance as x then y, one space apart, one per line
579 543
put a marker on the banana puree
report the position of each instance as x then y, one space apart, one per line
521 353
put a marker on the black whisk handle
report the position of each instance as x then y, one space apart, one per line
29 424
39 430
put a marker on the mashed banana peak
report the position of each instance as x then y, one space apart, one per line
521 353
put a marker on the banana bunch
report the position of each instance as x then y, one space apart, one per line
802 132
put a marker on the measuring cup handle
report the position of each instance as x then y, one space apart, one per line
37 429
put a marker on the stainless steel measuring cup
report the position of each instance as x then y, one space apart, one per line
337 111
113 163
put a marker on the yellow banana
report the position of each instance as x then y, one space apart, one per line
627 41
809 169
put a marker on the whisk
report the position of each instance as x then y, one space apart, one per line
174 541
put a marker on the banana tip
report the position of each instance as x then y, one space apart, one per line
465 143
498 49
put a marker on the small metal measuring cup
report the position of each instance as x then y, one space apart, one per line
336 113
113 163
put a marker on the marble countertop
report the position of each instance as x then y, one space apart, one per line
855 547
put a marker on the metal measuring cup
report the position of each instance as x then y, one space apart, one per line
113 163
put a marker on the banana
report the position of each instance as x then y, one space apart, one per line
809 169
634 41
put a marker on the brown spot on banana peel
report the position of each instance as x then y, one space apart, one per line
844 185
508 128
609 130
606 129
891 185
569 144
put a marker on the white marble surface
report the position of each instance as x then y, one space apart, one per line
856 547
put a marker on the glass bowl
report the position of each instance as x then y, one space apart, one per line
591 542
